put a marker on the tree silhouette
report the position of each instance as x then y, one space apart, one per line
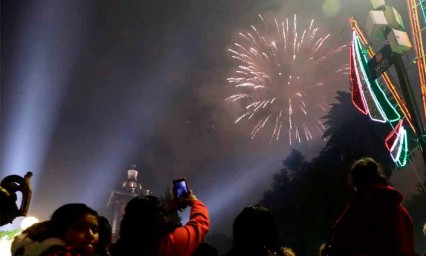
353 135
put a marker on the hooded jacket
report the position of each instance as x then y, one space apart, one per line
38 241
374 223
23 245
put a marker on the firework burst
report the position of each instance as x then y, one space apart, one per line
280 78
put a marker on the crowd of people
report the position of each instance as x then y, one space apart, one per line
374 223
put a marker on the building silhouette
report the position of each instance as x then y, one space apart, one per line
118 199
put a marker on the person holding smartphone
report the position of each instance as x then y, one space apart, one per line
144 228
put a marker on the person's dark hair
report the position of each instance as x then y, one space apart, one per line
67 215
205 249
367 171
255 231
62 219
142 227
105 236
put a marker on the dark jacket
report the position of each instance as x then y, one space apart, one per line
374 223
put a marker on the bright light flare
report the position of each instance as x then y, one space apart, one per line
5 245
28 222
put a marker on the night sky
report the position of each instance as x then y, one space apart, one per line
90 87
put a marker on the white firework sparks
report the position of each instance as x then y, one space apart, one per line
279 75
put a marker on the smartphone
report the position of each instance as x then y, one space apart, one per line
180 188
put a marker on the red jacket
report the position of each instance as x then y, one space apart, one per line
374 223
184 240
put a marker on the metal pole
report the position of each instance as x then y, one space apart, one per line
411 103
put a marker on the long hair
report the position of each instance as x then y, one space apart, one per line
105 236
366 171
142 227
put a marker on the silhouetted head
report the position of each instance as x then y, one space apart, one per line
142 213
255 229
366 171
142 227
205 249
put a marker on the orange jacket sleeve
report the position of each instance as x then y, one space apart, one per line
184 240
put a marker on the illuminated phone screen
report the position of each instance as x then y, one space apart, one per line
181 188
